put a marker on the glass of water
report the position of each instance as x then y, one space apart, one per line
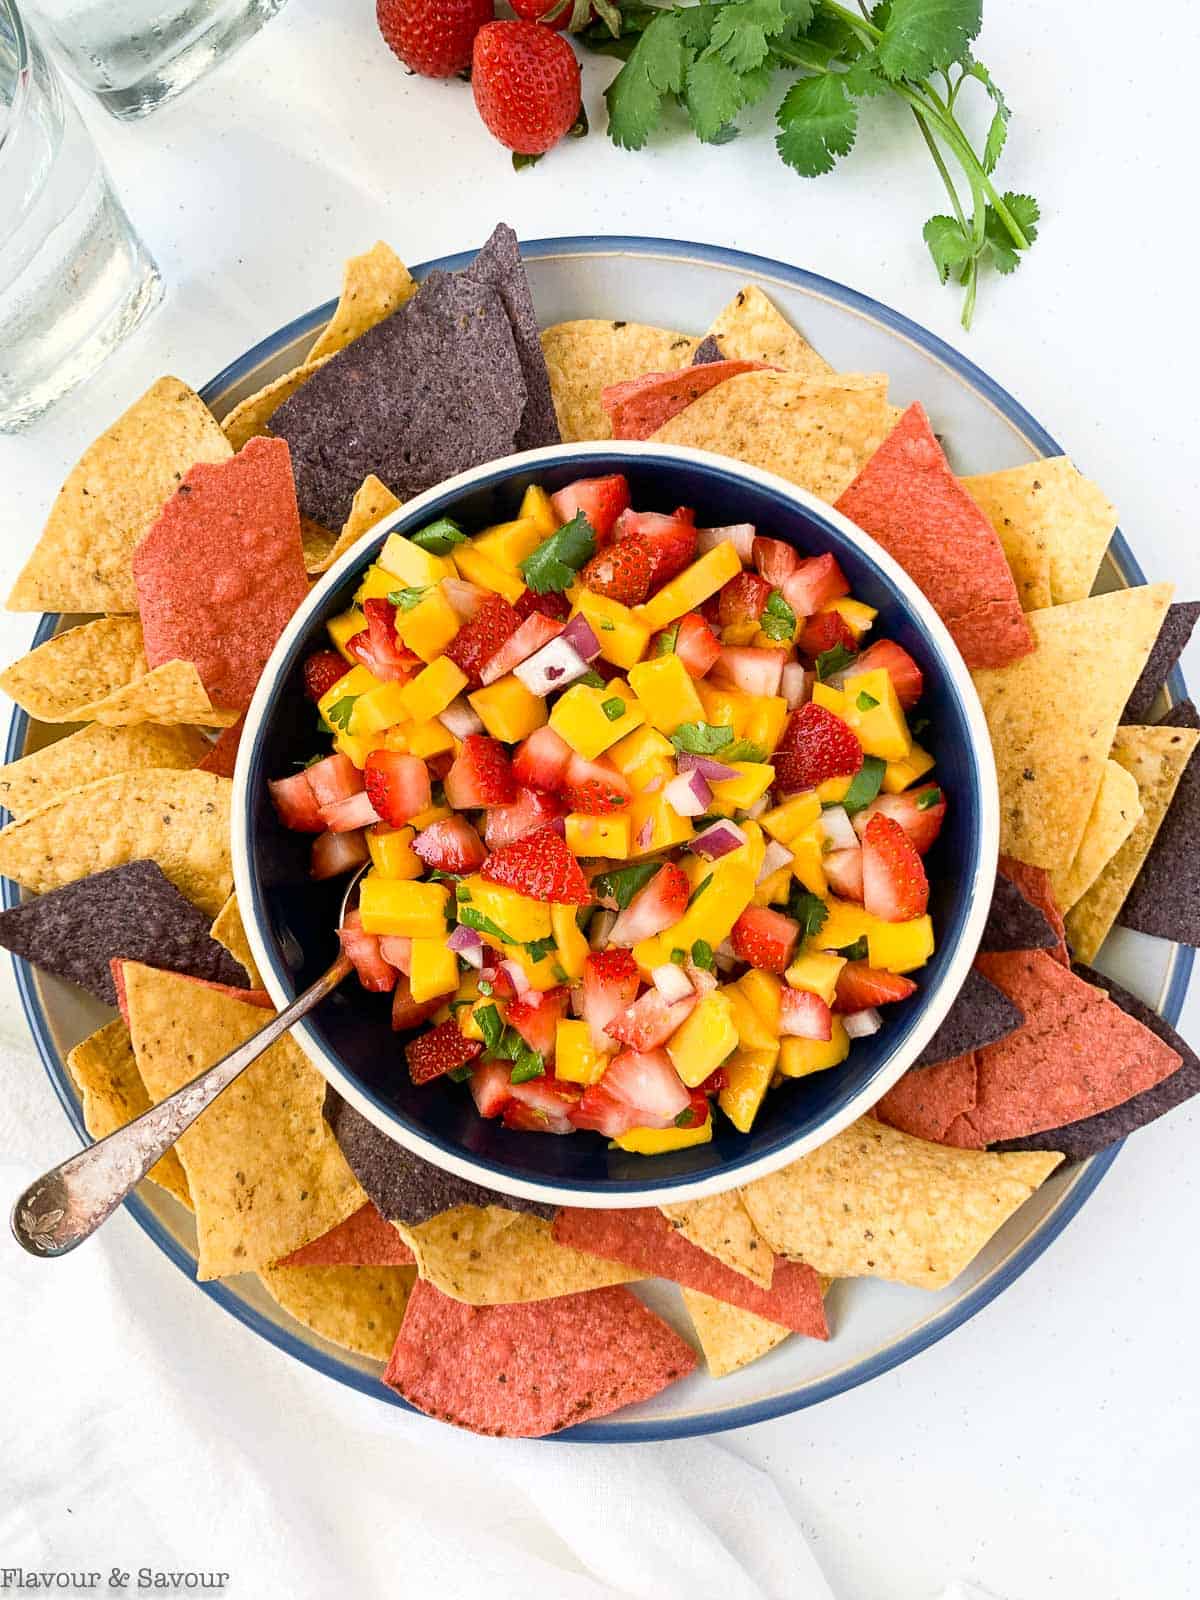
134 55
74 277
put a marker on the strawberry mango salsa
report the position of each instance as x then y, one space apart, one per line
642 807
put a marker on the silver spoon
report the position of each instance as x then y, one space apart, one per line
66 1205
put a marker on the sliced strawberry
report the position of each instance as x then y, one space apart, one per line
595 787
804 1015
540 762
601 500
651 1020
844 869
655 908
322 670
382 653
529 638
764 938
696 645
610 983
825 631
480 776
774 560
742 599
815 746
363 949
500 979
335 778
907 677
671 540
620 572
536 1016
442 1049
296 804
542 1105
751 668
450 845
555 606
531 809
541 866
920 812
490 1088
813 584
894 883
409 1013
860 986
477 640
354 812
335 853
397 785
639 1089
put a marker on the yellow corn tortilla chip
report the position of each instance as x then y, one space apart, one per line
815 433
752 329
1052 715
97 673
1156 758
179 819
489 1256
730 1337
105 1072
264 1170
359 1308
96 752
1116 811
877 1203
720 1225
373 286
1021 537
584 357
373 502
230 931
112 495
249 418
1050 507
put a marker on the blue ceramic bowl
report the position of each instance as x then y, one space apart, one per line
290 920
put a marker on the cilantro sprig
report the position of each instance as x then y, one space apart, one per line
553 565
718 58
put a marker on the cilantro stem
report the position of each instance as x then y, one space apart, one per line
940 164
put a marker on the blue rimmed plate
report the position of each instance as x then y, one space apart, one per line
876 1325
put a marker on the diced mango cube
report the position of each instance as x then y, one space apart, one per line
830 698
643 755
808 854
378 709
407 909
833 791
572 946
817 972
725 708
622 637
740 633
692 587
376 585
591 719
537 506
427 739
715 906
765 721
775 889
900 946
655 825
763 990
658 1141
358 746
575 1056
349 686
845 924
433 688
508 710
753 780
792 818
542 974
508 543
608 836
433 969
901 775
757 1022
799 1057
522 919
428 627
432 814
856 614
343 627
700 1045
749 1075
392 854
876 715
412 566
667 692
477 568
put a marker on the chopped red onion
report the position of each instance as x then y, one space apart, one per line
671 982
714 771
795 685
837 828
464 939
578 634
725 956
763 803
861 1024
554 666
645 833
600 927
688 794
739 534
775 857
518 975
718 840
460 719
465 598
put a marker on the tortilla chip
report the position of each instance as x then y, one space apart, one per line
980 1015
221 759
365 1239
1033 884
1021 540
491 1256
372 502
1172 639
818 434
105 1072
751 329
1052 716
638 408
707 350
1053 518
720 1225
179 819
927 1101
499 266
583 358
359 1308
1157 758
264 1170
229 930
1115 812
373 286
96 752
730 1338
112 495
1163 901
1014 922
874 1202
527 1370
908 499
98 673
249 418
645 1240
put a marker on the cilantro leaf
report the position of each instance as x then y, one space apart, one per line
818 122
928 798
743 750
460 1074
613 709
865 701
527 1065
408 599
921 36
809 910
835 660
476 919
702 955
778 620
539 948
553 565
656 68
339 712
664 645
867 782
997 132
685 1118
713 96
949 244
491 1026
622 883
440 537
701 738
699 890
858 951
741 30
591 680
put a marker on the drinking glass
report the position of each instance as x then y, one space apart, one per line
74 277
134 55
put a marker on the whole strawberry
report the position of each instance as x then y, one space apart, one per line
433 37
526 83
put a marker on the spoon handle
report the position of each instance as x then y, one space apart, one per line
67 1204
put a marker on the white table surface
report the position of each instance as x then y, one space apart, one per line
1048 1449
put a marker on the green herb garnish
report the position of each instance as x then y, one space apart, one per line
856 951
408 599
553 565
560 973
613 709
476 919
440 537
339 712
699 890
809 910
685 1118
528 1065
928 798
622 883
743 750
491 1025
835 660
460 1074
538 948
701 738
593 680
865 701
702 955
865 785
664 645
778 620
678 956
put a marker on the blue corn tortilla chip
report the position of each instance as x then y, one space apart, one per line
981 1014
434 389
128 913
1078 1140
1172 640
403 1187
1165 897
499 266
1015 923
707 351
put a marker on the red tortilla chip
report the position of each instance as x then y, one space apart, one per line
251 997
927 1101
222 758
222 570
365 1239
641 406
524 1371
646 1241
908 499
1034 884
